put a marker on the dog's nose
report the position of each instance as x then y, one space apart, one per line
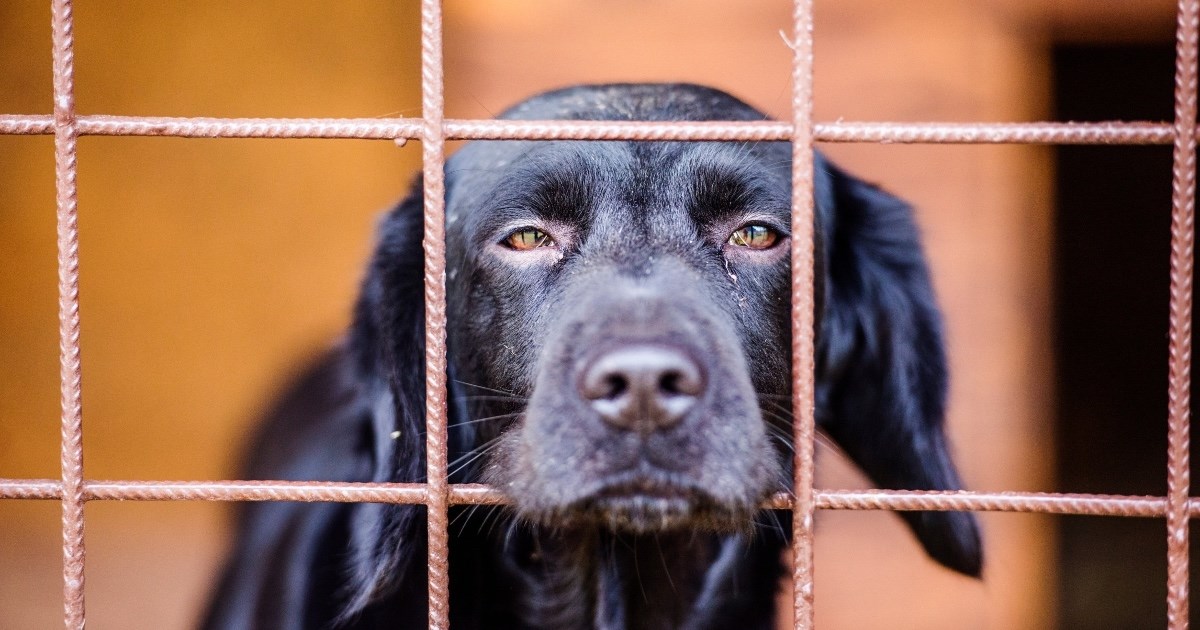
642 387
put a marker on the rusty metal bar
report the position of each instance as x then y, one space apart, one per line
1096 133
1102 133
433 144
480 494
433 130
803 363
70 374
1183 204
1025 502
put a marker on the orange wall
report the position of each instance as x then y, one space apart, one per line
212 268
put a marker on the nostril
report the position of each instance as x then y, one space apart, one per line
602 383
681 382
615 386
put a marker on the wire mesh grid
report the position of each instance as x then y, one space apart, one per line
432 129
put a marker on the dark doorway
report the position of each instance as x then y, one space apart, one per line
1111 265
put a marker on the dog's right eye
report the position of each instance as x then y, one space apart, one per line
527 238
754 236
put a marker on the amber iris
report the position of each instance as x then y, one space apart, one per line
754 236
528 238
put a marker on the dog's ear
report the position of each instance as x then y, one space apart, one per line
880 358
387 344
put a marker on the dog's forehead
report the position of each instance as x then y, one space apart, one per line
639 177
622 101
628 177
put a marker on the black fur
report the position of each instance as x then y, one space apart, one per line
642 519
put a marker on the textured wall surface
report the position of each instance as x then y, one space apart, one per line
211 269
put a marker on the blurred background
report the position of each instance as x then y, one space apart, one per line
213 269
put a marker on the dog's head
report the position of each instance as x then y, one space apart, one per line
635 295
619 325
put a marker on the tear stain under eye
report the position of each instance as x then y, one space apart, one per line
729 272
741 297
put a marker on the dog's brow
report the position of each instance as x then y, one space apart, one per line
718 191
561 192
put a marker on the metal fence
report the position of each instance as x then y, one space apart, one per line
433 129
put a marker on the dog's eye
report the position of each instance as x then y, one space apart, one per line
754 236
527 238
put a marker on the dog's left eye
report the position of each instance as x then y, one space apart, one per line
754 236
527 238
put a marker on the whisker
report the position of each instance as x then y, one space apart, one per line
776 416
486 445
787 443
465 515
782 430
775 524
491 445
478 420
822 437
495 397
637 569
663 559
494 517
489 389
824 440
785 410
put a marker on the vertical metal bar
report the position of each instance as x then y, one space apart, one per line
1183 202
803 380
65 135
433 144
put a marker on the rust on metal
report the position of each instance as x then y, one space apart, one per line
480 494
803 330
1183 205
70 374
433 144
1057 133
433 129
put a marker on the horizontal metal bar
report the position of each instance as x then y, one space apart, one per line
1023 502
479 494
308 491
1101 133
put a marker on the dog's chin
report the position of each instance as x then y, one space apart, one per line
646 507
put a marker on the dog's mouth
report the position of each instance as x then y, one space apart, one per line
645 504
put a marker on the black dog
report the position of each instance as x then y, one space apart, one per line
619 368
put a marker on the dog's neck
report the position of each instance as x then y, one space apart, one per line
597 580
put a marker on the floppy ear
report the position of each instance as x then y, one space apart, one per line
387 344
357 415
880 358
286 551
